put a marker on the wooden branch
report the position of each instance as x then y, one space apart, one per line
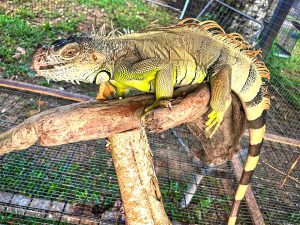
277 170
225 142
17 85
93 120
137 180
278 139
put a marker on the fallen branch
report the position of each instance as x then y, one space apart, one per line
93 120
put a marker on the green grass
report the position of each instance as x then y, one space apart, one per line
285 74
17 32
60 180
133 14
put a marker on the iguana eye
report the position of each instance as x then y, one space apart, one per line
69 51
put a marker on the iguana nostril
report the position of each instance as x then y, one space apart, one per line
94 56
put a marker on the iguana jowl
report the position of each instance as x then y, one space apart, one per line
161 59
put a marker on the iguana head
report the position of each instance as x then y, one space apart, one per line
75 59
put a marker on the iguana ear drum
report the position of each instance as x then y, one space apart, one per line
101 77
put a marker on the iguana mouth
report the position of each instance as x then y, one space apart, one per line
38 67
47 67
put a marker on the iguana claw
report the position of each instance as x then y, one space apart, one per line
143 119
164 103
214 120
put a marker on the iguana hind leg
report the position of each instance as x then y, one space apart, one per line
220 99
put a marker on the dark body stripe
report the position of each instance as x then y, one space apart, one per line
259 122
246 176
256 100
193 78
250 79
183 77
254 150
176 74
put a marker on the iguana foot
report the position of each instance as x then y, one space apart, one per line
105 90
164 103
214 121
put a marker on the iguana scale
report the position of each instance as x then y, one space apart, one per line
161 59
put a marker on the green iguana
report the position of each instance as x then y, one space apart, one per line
163 58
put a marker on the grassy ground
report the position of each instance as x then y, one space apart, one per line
285 74
10 218
24 24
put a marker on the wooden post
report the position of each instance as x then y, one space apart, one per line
137 180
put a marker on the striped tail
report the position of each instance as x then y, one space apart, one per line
256 117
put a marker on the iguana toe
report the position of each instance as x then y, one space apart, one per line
214 122
166 103
105 90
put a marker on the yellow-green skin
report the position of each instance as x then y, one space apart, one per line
159 60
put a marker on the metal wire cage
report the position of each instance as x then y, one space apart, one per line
76 183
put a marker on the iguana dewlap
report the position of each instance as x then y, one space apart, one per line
161 59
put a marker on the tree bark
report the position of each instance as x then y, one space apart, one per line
137 180
221 147
93 120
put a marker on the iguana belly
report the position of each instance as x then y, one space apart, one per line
184 73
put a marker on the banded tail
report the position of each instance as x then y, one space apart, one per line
253 95
256 111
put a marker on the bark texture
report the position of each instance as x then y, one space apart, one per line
221 147
137 180
93 120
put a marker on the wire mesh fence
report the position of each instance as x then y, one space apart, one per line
76 183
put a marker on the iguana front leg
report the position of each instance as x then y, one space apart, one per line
220 100
147 75
164 88
137 75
